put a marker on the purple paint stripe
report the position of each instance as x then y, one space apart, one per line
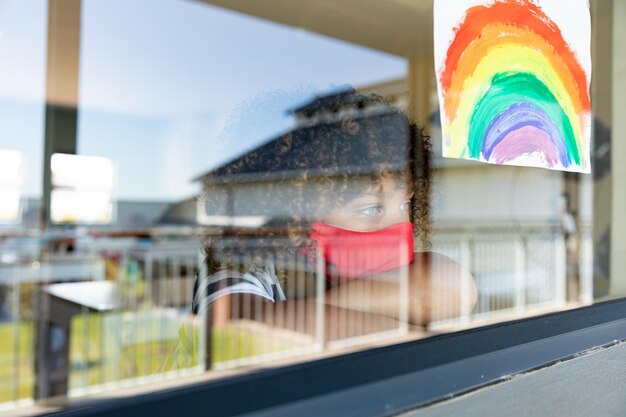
525 141
516 117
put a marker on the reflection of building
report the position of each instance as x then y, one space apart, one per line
465 193
504 223
128 214
256 188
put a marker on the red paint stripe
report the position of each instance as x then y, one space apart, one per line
523 14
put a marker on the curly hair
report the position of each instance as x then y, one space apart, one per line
341 147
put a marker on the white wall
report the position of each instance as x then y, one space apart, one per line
488 194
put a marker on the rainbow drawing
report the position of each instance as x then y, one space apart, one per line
513 81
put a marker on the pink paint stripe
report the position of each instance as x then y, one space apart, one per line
525 141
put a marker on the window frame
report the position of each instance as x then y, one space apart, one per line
387 380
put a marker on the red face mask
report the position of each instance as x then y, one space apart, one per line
350 254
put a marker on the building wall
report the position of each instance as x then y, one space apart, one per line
262 199
487 194
467 195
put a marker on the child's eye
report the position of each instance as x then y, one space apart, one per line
372 210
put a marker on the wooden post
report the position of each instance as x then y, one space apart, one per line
62 81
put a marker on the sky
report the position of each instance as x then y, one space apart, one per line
170 88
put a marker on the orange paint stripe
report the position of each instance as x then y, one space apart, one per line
497 34
523 14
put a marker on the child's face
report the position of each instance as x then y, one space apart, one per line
381 206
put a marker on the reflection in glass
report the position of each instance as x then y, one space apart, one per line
344 194
10 186
219 150
82 188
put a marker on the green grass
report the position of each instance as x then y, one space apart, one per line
107 349
149 346
16 371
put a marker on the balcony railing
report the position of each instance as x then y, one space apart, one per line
134 326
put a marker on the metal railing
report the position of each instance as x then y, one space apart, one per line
513 272
138 338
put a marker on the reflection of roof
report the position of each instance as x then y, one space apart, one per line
179 213
320 149
97 295
322 146
335 101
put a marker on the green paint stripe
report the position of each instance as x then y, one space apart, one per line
509 88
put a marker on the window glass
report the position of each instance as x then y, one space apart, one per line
22 105
188 187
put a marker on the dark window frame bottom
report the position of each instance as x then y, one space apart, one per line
388 380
